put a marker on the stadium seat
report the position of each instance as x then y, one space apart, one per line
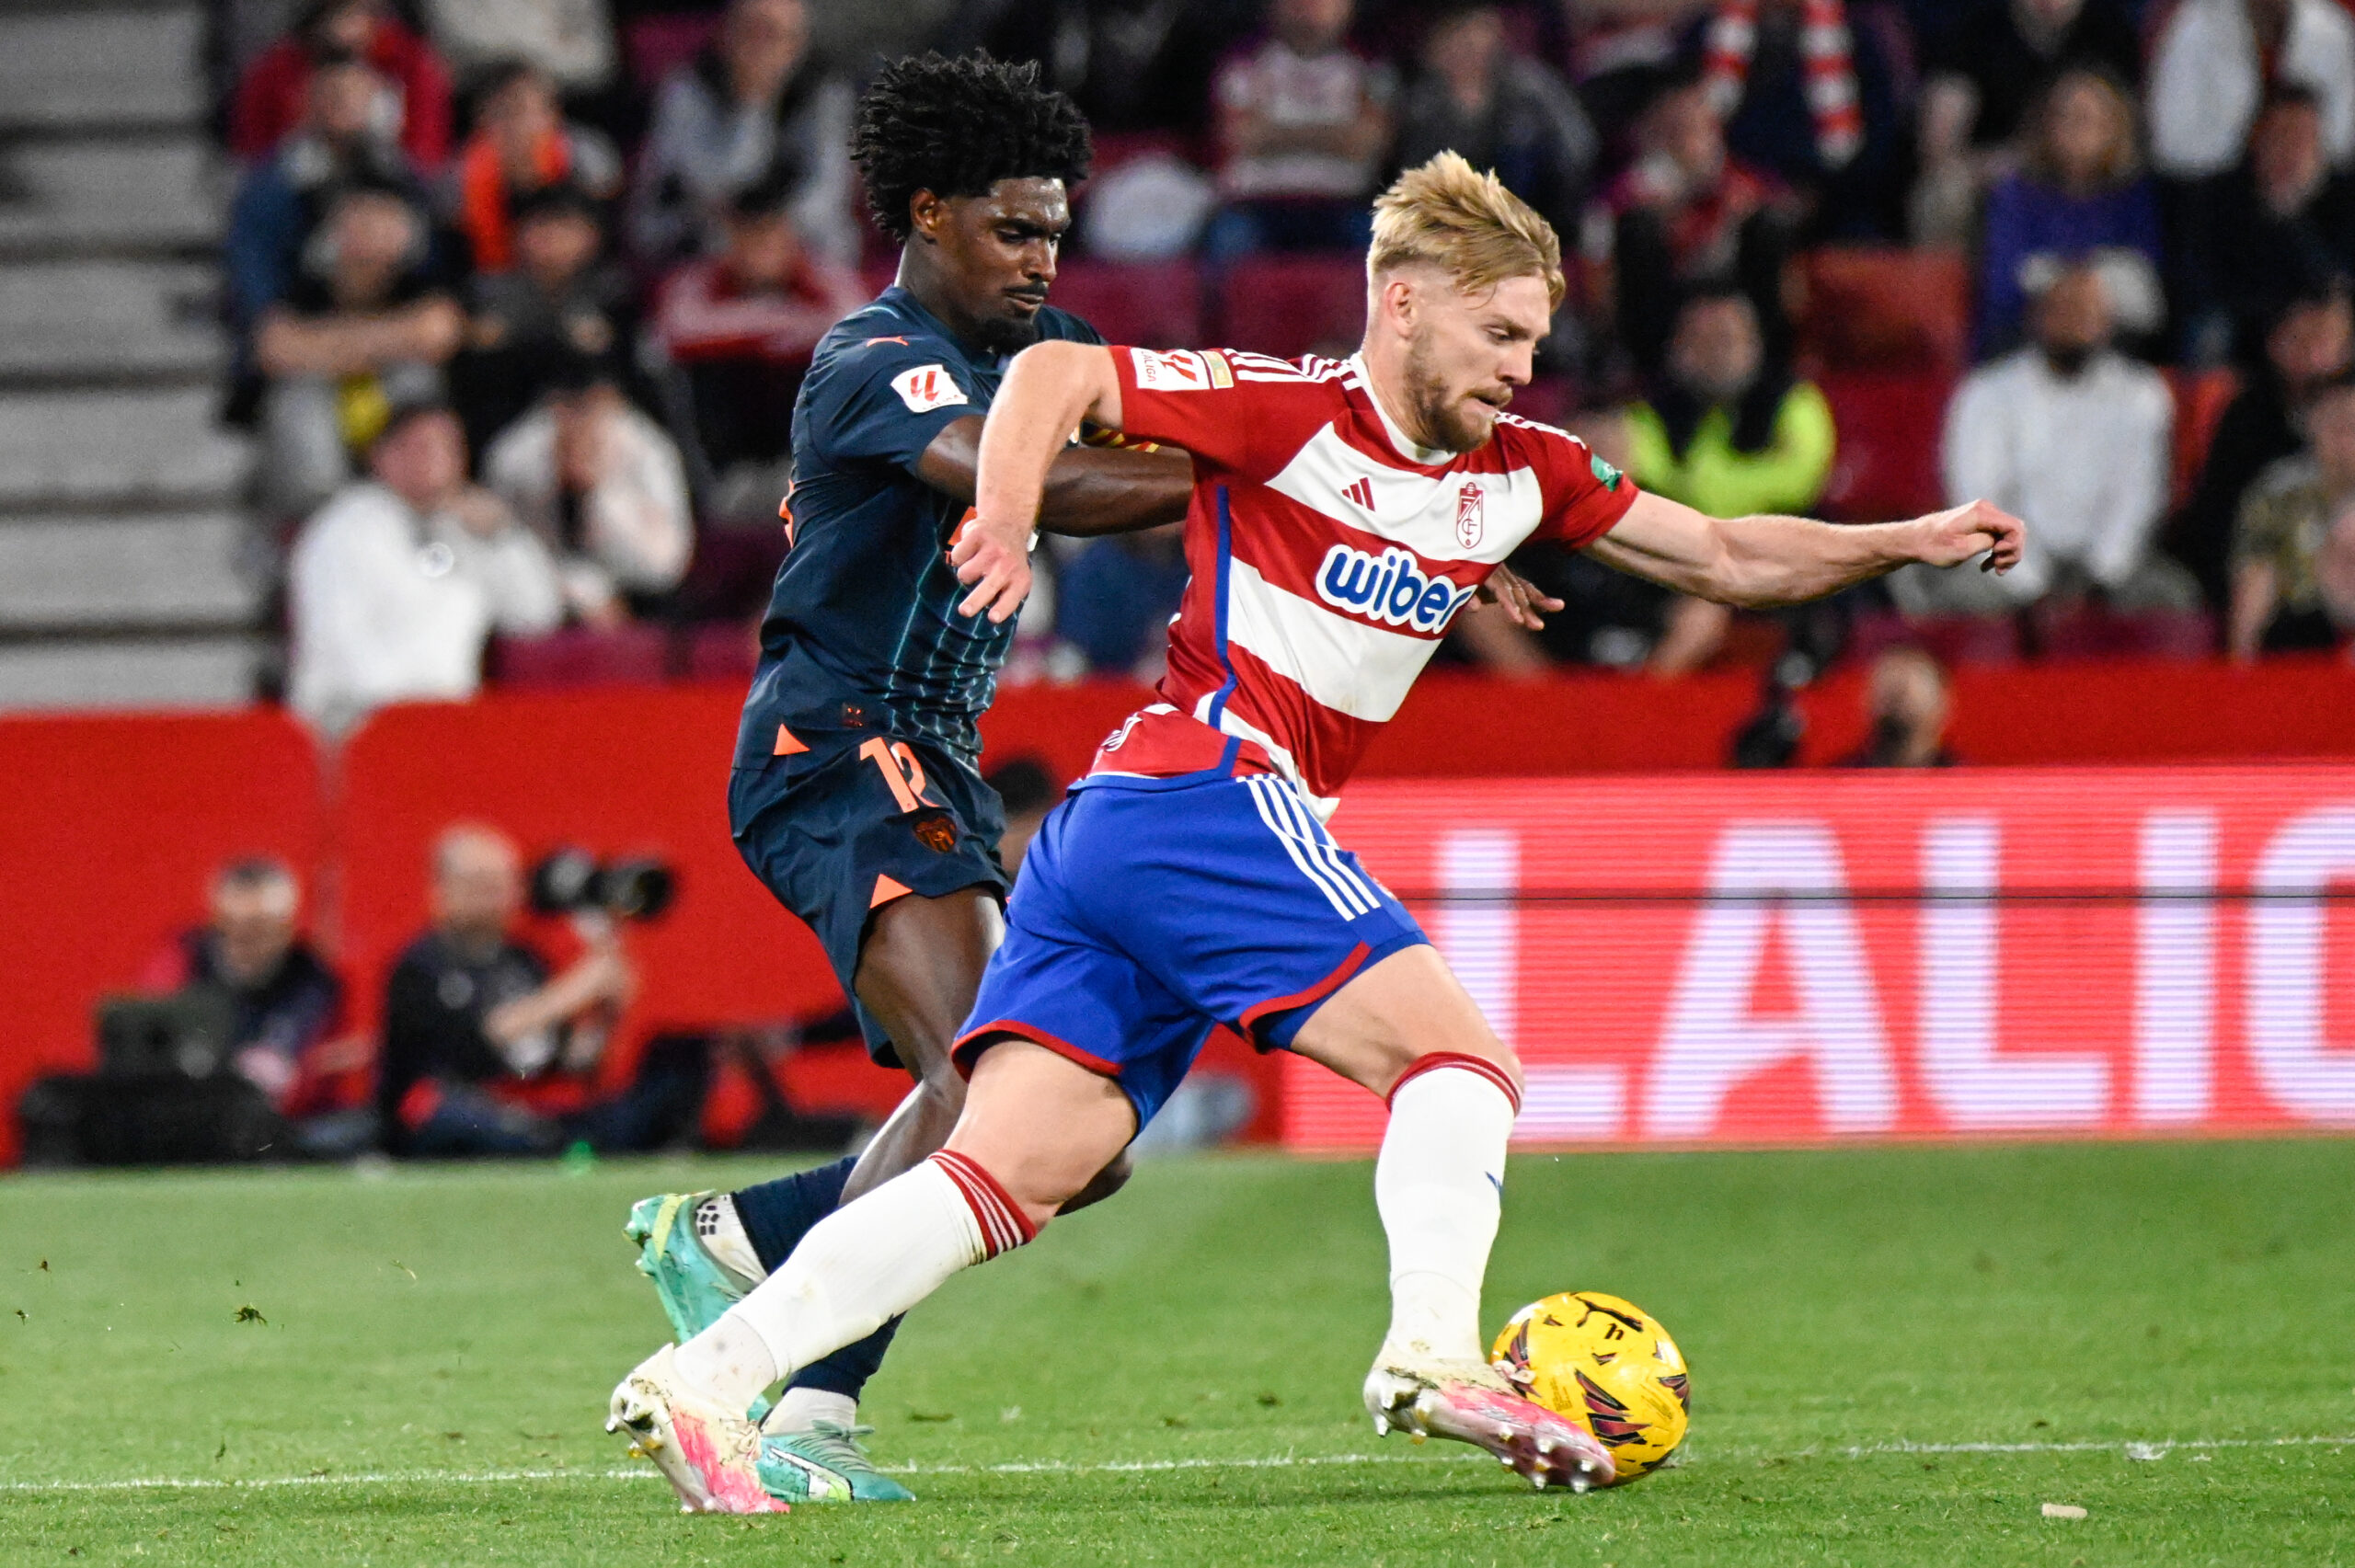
2200 399
2085 631
1154 304
1873 309
1888 427
1290 305
627 655
1952 640
655 45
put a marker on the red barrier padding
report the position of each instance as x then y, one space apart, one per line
617 772
1803 958
2154 710
114 827
117 821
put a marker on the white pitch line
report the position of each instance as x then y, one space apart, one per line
2147 1449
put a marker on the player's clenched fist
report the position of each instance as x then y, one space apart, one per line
995 556
1950 538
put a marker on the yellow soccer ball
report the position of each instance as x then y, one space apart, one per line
1606 1365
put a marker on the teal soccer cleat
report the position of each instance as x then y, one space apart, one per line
825 1464
694 1286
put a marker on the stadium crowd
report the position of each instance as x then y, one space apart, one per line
522 294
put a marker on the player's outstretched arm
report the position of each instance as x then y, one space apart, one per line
1759 563
1090 489
1049 391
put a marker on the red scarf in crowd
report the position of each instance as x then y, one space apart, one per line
1824 47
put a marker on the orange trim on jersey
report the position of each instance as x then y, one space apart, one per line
788 743
887 890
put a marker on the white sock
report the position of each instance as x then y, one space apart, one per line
1439 1186
801 1410
721 1230
859 1268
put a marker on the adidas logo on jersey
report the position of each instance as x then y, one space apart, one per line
1390 588
1360 491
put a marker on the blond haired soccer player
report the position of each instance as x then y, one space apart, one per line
1343 513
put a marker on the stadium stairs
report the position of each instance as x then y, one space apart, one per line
123 546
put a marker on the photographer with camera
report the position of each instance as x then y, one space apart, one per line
233 1048
486 1052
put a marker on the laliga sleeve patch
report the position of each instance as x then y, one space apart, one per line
928 387
1179 370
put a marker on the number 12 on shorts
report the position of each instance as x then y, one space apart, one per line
900 770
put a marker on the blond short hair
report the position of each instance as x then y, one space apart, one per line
1445 213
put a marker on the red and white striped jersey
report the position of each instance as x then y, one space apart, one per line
1328 553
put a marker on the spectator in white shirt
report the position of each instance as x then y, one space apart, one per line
396 582
2208 79
603 486
1303 122
2072 436
755 105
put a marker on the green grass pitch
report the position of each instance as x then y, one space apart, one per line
1898 1357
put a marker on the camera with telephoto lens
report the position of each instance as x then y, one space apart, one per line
573 881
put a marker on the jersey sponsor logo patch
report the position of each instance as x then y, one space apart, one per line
1471 515
1388 588
1179 370
1605 475
928 387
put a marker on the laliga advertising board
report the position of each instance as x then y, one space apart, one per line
1857 956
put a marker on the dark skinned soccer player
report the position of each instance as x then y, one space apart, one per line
855 794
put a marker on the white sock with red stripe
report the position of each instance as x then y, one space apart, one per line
859 1268
1439 1186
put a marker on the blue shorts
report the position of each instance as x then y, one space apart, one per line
1149 909
856 819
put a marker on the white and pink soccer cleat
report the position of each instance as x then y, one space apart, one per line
708 1454
1471 1402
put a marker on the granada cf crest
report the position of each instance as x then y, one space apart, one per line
1470 515
936 832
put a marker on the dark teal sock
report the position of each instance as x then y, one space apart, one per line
775 1216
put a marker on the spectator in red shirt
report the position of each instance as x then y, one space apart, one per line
521 144
269 99
738 330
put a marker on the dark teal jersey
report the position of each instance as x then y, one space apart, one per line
862 630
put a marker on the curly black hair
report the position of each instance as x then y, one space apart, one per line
956 127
